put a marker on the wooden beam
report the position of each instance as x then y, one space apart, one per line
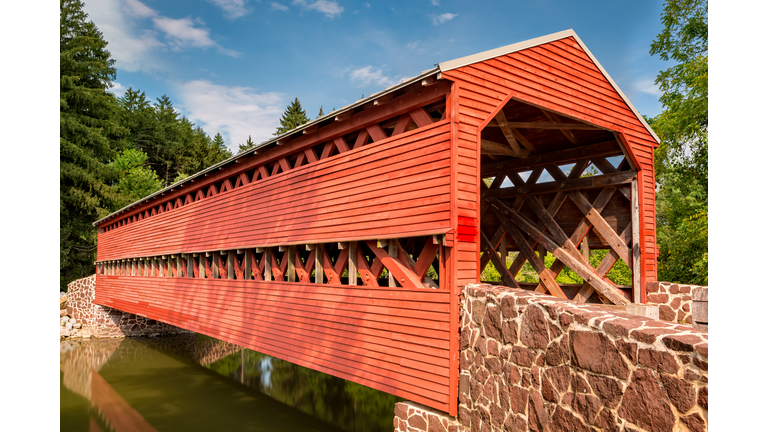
555 119
636 262
511 136
553 125
489 147
601 225
267 260
395 267
606 148
616 179
291 258
585 272
546 276
352 264
319 251
506 277
247 264
602 269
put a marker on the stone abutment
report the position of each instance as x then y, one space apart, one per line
532 362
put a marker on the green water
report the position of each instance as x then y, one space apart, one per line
195 383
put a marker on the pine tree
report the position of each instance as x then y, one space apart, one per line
248 145
321 113
293 117
87 138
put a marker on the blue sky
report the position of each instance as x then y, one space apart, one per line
232 66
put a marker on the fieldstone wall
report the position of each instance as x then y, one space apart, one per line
680 303
410 417
534 362
103 322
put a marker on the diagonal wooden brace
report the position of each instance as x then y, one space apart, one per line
585 272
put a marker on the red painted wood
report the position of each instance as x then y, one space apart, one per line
334 338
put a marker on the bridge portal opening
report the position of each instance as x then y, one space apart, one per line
557 206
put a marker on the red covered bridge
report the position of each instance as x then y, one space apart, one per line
342 245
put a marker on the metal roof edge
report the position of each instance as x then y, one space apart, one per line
509 49
403 83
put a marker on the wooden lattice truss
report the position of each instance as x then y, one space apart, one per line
406 260
563 217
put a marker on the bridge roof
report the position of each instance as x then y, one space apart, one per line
331 116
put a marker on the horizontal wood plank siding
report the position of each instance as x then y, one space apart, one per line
391 339
561 77
397 188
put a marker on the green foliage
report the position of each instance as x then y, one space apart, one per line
136 180
111 149
321 113
293 117
87 135
248 145
682 202
620 274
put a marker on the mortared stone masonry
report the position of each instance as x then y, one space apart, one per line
533 362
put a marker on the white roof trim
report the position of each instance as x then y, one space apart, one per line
487 55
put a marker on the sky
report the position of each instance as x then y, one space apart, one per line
232 66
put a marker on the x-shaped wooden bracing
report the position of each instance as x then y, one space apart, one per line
263 264
563 247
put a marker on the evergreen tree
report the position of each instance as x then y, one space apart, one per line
321 113
682 203
293 117
87 136
248 145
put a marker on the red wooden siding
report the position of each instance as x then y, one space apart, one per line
399 186
391 339
561 77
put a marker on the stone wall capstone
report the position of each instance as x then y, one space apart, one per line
679 303
103 322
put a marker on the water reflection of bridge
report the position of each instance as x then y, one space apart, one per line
154 384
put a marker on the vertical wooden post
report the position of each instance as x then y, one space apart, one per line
442 276
585 247
201 265
214 265
190 266
636 264
291 269
152 271
179 266
392 251
247 265
542 252
503 249
267 257
319 263
352 264
231 264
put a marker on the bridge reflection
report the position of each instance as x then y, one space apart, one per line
153 384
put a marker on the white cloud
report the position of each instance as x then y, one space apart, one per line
367 5
136 48
139 9
647 85
232 8
117 89
435 2
278 6
369 75
330 8
413 45
235 112
439 19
